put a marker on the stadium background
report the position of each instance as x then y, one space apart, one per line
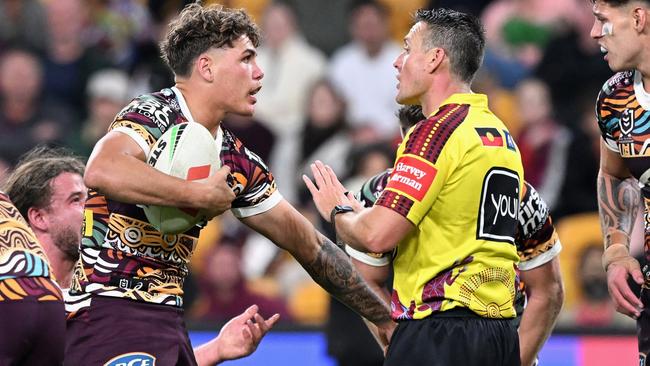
67 66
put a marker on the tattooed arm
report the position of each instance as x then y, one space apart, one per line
328 265
618 204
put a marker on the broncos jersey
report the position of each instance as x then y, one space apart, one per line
122 255
24 268
623 113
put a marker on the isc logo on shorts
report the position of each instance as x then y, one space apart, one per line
132 359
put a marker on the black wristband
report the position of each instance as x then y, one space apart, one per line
339 209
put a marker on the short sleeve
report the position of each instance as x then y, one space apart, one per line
536 239
427 156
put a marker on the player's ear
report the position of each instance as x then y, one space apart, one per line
36 219
203 65
434 58
640 15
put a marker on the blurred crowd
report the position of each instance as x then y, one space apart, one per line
68 66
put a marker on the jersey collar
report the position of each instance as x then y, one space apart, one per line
473 99
186 112
642 96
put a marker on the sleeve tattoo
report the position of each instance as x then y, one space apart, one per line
334 271
618 204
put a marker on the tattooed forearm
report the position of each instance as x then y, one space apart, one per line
618 204
333 270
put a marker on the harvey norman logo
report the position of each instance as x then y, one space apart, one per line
412 176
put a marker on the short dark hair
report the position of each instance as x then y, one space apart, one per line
199 28
461 35
29 184
409 116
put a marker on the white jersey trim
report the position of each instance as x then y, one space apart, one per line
543 258
267 204
642 96
181 102
367 259
186 112
136 137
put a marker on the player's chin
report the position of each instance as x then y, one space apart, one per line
247 111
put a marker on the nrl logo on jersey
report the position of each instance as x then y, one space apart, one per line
625 141
626 123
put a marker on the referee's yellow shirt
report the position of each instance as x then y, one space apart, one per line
458 178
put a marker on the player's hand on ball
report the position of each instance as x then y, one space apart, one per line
219 195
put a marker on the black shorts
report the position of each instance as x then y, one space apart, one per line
453 338
113 331
32 332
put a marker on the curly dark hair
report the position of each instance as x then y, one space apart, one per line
29 184
199 28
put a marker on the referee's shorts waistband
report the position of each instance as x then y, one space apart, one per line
458 312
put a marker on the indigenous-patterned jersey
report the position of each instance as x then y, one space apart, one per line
623 113
536 240
122 255
24 269
458 179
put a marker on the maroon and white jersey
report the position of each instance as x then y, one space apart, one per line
122 254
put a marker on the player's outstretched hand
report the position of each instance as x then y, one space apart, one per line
238 338
218 198
625 300
327 191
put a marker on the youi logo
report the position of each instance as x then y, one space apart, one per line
132 359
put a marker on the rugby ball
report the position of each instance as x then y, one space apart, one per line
188 151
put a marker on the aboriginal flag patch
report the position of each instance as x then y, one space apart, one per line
490 136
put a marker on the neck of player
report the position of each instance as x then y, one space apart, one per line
439 92
201 105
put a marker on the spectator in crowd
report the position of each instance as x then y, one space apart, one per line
578 192
22 22
572 62
68 62
361 71
543 142
107 92
594 308
292 66
224 289
26 118
325 134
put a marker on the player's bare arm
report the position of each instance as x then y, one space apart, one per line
323 260
117 168
618 204
376 276
238 338
376 229
545 295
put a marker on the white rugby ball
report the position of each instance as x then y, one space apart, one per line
188 151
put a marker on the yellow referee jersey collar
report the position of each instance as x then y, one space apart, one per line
473 99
